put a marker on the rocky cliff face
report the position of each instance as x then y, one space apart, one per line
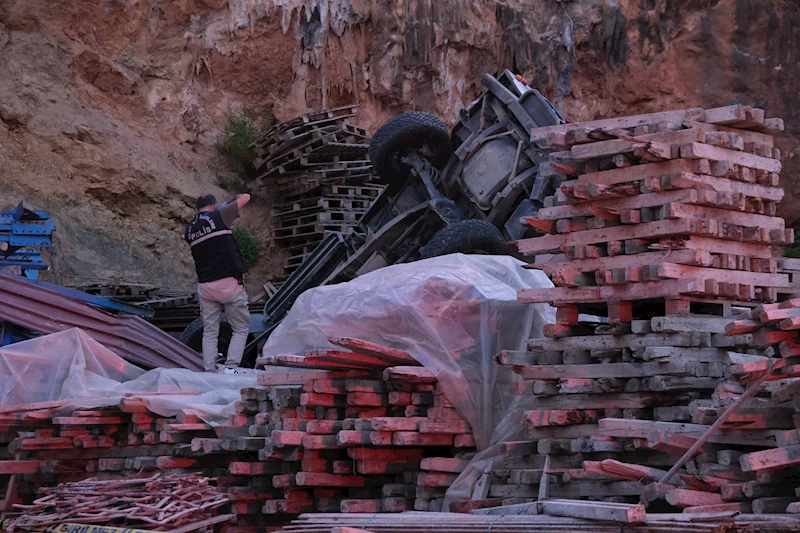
110 109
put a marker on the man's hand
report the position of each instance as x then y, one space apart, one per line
242 199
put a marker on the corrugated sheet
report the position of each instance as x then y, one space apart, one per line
132 338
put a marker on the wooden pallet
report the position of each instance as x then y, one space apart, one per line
309 205
660 241
678 211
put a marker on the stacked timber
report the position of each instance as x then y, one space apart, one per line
356 433
317 165
351 434
662 227
776 326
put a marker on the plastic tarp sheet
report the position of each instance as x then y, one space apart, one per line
453 314
71 365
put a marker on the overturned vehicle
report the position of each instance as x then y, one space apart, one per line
447 192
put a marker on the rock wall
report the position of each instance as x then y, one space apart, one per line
110 109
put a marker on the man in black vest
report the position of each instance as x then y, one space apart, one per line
220 270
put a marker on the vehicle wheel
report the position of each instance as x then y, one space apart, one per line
466 237
192 336
402 135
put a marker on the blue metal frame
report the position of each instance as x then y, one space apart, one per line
22 228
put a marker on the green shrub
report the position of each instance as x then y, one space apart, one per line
239 134
247 244
241 131
232 184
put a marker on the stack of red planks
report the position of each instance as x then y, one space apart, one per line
372 438
677 206
662 228
357 434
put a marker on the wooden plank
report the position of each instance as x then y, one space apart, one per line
772 505
733 114
639 172
671 270
727 508
637 400
540 134
748 136
684 257
596 150
651 230
722 246
605 370
688 324
348 358
658 353
320 479
299 361
787 392
774 459
392 355
618 342
412 438
21 466
606 511
35 406
714 153
680 210
612 293
444 464
619 427
692 498
517 509
774 315
87 420
409 374
639 201
686 180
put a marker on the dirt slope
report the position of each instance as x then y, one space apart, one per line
110 109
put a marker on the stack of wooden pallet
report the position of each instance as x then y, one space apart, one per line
303 220
318 166
661 225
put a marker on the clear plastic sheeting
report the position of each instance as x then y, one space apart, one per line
451 313
72 365
68 364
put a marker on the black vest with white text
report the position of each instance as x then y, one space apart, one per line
216 254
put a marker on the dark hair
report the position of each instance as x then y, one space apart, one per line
205 201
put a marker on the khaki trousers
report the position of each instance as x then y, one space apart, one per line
238 314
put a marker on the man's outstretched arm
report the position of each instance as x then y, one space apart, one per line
230 211
242 199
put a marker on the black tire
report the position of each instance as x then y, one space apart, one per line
466 237
403 134
192 336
